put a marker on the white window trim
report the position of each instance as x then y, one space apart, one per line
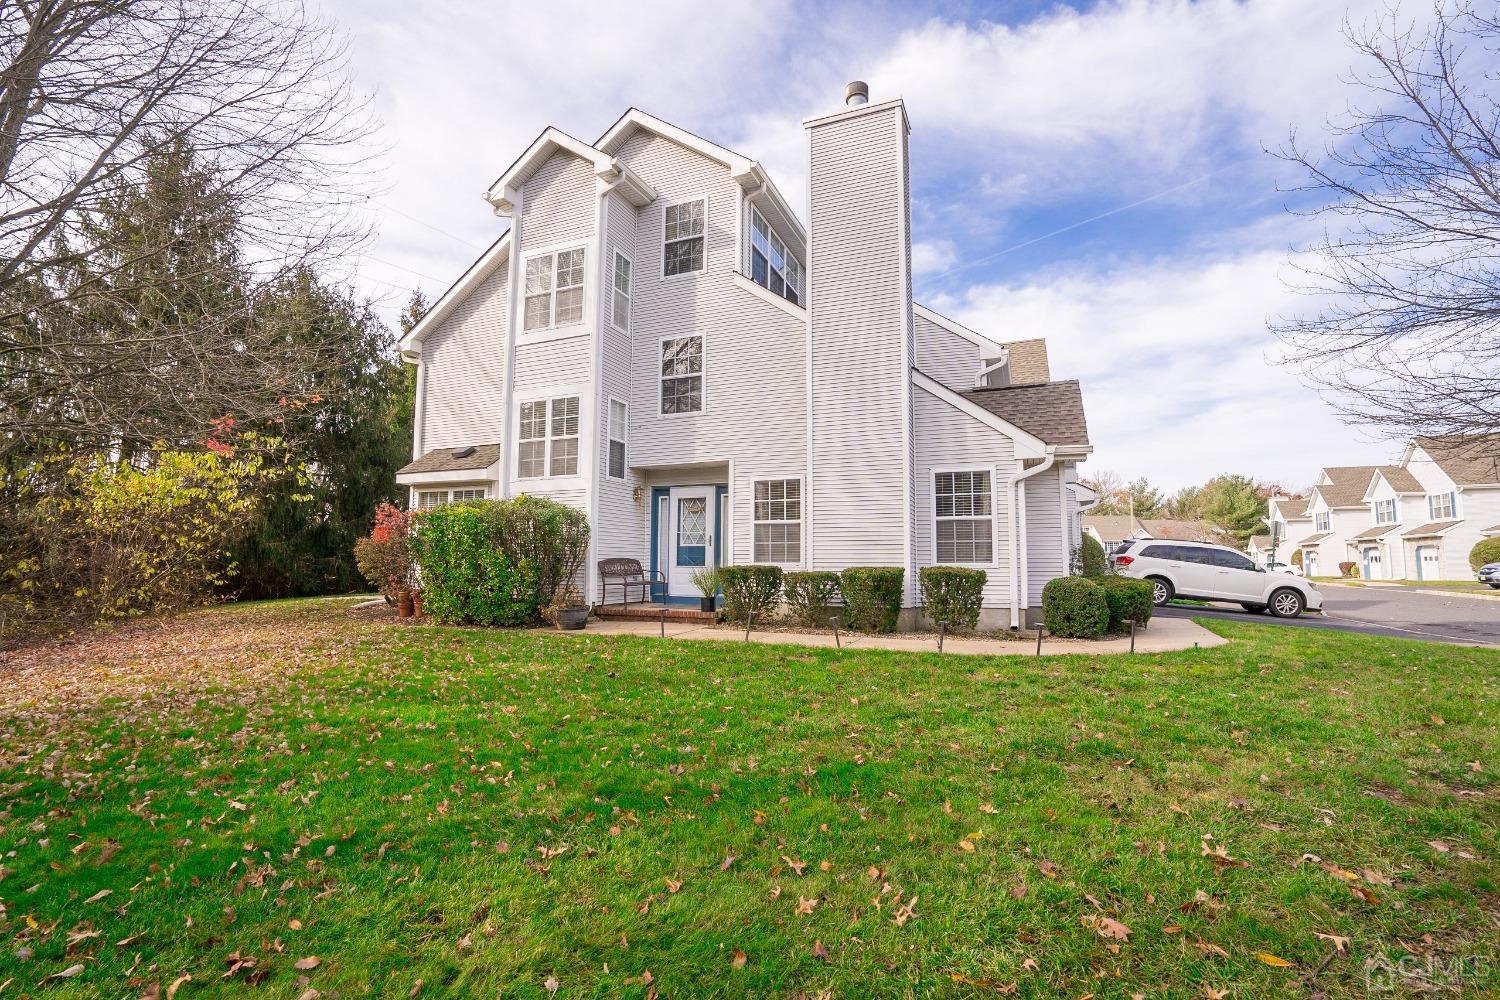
662 242
788 254
1388 504
994 515
584 436
801 521
1452 497
447 490
1319 516
609 439
552 327
703 374
629 290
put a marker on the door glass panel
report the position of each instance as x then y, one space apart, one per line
692 531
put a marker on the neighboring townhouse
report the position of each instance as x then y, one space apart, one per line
1258 548
1289 521
1338 511
1113 530
657 341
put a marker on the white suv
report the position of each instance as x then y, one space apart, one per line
1214 573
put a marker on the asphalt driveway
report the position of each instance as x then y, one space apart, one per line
1390 611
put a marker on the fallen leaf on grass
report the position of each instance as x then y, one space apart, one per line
1107 927
738 959
966 845
308 963
673 885
795 866
1219 855
177 984
1374 877
1029 964
67 973
1047 868
728 860
805 906
1365 894
1004 989
1439 846
1340 944
1273 960
818 951
101 894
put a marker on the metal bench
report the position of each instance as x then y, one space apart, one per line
629 573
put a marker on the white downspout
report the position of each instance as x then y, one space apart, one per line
1018 567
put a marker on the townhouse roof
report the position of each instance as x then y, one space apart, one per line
1430 529
1172 529
1052 411
1260 541
1467 459
1112 527
1493 529
1348 485
1291 508
1400 478
471 459
1315 539
1374 531
1028 362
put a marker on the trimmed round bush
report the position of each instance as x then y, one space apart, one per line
1074 607
750 588
1487 551
811 596
953 594
1091 558
1127 599
872 597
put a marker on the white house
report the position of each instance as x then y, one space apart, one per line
1338 511
658 341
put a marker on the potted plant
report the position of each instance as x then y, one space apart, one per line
568 609
707 582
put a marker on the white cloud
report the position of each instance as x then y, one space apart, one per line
932 256
1173 359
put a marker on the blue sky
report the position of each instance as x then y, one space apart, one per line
1093 174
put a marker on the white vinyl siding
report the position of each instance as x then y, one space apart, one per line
945 356
778 521
463 369
683 239
548 438
554 290
682 374
963 501
617 424
619 306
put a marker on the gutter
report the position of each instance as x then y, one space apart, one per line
1018 531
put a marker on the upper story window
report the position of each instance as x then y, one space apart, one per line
965 524
771 264
1440 506
554 289
1321 521
619 311
682 243
548 438
1385 511
616 439
682 374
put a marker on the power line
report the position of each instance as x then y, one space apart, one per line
441 232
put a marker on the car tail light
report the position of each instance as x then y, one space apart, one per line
1124 560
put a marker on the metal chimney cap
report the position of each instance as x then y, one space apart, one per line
857 93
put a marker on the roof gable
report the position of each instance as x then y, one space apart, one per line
501 194
1468 460
498 253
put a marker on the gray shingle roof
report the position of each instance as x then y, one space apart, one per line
1112 527
1292 509
1470 460
444 460
1401 480
1052 411
1348 485
1428 529
1373 532
1315 539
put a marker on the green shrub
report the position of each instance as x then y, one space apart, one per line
550 537
1075 608
1487 551
811 596
953 594
1091 559
1127 599
467 576
1297 558
750 588
872 597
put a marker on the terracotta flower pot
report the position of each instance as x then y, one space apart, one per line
416 604
405 606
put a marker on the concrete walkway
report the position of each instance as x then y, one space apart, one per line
1164 635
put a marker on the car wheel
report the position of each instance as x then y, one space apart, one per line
1254 609
1287 603
1161 591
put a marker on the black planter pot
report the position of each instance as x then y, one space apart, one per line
706 603
572 619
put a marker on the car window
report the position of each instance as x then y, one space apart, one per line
1193 554
1230 560
1160 552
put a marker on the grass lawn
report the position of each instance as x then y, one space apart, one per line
409 811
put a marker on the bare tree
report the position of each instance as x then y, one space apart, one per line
1405 332
93 93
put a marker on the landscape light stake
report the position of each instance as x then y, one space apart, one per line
942 633
662 618
1039 630
1132 635
749 620
834 624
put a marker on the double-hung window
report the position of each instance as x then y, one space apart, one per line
548 438
965 528
428 499
616 439
778 520
554 289
1321 521
1440 506
682 243
619 306
1385 511
771 264
682 374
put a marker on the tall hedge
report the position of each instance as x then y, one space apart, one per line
1092 561
1487 551
872 597
1075 608
953 594
811 596
750 588
1128 599
467 577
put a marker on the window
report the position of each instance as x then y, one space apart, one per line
682 243
620 303
682 374
771 264
616 439
548 438
1385 511
778 520
554 290
1321 521
965 522
428 499
464 496
1440 507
